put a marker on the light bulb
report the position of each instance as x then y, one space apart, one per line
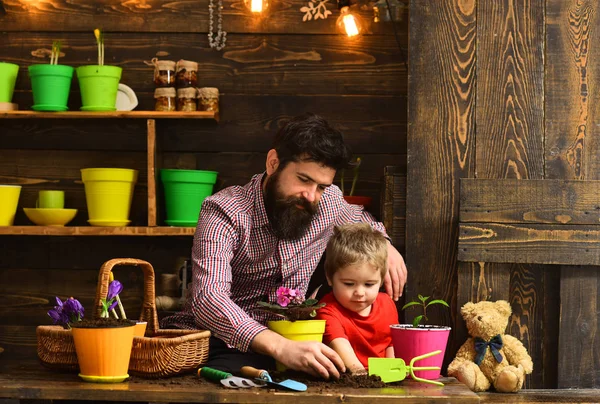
256 6
349 23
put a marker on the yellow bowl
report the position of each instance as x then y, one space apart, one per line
50 217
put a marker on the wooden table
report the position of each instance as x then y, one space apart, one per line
28 380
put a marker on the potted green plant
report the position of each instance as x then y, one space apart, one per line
412 340
99 83
296 316
51 83
351 198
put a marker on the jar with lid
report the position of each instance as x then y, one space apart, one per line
165 99
186 99
208 99
164 73
187 74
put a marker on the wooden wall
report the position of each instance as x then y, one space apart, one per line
504 89
271 69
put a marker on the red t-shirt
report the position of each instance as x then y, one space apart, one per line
369 335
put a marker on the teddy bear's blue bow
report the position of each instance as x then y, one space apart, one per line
481 345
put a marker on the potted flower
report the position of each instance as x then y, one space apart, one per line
51 83
103 344
296 316
412 340
99 83
351 198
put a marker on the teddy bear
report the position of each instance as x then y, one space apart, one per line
490 357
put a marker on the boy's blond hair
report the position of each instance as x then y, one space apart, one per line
356 243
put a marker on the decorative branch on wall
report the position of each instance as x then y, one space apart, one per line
315 10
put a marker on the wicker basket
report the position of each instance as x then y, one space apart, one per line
55 348
159 353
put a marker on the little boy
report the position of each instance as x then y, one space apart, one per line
358 315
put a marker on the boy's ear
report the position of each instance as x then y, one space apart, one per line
328 280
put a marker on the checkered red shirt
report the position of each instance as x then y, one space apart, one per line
239 262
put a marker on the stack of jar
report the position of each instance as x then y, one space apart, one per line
175 85
176 88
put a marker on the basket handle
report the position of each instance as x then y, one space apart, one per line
148 313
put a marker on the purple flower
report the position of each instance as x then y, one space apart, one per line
114 289
67 312
112 305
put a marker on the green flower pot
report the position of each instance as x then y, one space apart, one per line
51 85
8 77
185 190
99 86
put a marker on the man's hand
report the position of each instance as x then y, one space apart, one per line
311 357
395 279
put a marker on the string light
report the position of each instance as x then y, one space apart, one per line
256 6
348 23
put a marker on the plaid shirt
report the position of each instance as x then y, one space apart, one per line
237 261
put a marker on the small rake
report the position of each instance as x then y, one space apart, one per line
395 369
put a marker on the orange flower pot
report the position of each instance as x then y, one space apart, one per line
103 353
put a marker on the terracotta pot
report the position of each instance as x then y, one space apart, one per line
359 200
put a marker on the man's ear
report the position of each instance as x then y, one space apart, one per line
272 161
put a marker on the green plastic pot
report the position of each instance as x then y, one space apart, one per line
8 77
99 86
185 190
50 85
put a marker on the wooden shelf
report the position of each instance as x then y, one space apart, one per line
103 115
95 231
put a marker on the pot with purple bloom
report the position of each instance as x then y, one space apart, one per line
296 315
104 344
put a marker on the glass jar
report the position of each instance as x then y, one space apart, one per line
165 99
208 99
186 99
187 74
164 73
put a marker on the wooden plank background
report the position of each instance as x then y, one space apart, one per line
535 118
272 69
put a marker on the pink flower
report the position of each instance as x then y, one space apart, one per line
283 301
283 291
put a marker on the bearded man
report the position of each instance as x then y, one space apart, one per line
252 239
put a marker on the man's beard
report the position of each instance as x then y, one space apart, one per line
288 222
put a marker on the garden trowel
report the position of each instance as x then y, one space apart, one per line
395 369
227 379
264 377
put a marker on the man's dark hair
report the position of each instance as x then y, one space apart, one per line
309 137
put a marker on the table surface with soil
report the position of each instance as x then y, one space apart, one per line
26 379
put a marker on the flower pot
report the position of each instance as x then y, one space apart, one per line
359 200
99 86
9 200
50 85
410 341
301 330
8 77
108 193
185 190
103 353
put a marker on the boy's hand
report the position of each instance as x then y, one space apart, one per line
359 371
395 279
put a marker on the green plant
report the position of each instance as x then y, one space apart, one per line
354 180
55 52
423 303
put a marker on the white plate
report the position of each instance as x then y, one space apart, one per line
126 98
